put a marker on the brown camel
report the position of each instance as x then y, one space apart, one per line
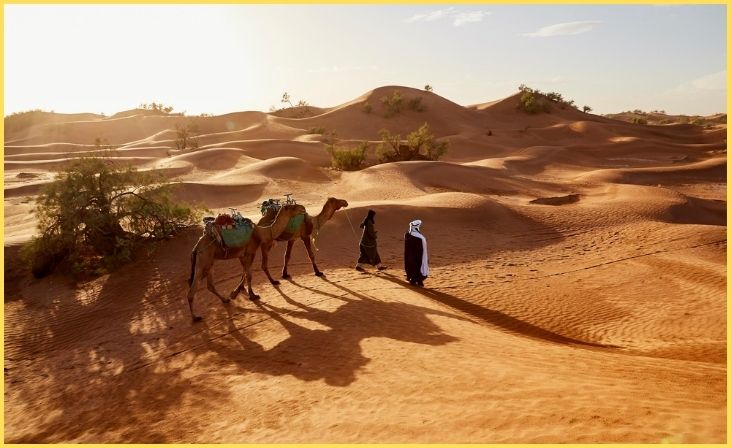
307 231
206 251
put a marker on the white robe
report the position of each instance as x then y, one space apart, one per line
424 256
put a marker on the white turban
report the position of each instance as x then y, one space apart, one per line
414 225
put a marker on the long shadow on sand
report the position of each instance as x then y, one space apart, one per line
494 317
333 354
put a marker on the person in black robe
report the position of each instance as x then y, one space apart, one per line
368 245
416 258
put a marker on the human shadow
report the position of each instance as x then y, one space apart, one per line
333 353
494 317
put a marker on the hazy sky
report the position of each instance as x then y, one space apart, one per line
226 58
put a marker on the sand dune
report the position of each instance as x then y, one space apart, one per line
577 292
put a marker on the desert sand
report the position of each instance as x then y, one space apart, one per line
577 293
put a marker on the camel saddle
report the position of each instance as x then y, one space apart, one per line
230 231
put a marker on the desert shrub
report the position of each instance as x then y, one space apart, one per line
301 109
186 137
348 159
420 145
587 109
428 88
697 121
532 103
367 108
389 148
95 214
20 120
317 130
101 144
394 104
638 120
423 142
415 104
157 107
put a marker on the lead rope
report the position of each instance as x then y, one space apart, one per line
351 225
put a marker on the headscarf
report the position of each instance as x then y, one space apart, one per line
414 227
415 230
371 214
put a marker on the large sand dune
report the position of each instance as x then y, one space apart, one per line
577 295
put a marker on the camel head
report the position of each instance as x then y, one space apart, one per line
336 203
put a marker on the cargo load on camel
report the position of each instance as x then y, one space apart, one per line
229 230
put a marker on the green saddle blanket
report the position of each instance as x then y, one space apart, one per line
236 237
294 223
228 230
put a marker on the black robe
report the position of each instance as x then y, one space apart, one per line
368 245
413 254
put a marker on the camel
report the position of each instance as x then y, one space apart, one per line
307 231
206 251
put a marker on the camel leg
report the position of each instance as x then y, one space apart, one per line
212 288
197 274
247 262
287 256
191 297
240 286
265 248
308 246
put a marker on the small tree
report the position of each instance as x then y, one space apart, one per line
587 109
186 136
287 99
96 213
428 88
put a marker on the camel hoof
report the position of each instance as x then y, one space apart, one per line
197 318
319 274
254 297
225 300
285 275
275 282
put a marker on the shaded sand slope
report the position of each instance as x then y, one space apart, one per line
577 292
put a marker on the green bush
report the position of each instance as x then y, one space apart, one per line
367 108
95 214
348 159
532 103
317 130
394 104
637 120
420 145
415 104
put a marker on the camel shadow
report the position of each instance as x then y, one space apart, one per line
327 345
494 317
